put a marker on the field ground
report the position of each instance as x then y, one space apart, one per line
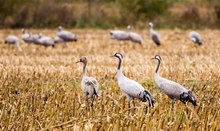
40 87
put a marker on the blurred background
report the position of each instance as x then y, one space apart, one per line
109 13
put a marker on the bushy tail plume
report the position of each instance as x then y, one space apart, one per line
95 93
192 98
188 97
148 97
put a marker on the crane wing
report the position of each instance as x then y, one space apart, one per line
156 39
131 88
90 86
172 89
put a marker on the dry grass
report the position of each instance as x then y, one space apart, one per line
40 87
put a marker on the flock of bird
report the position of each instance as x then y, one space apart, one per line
64 36
194 36
132 89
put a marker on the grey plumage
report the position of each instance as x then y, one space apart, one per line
58 40
154 35
46 41
119 35
195 37
126 35
39 39
12 39
26 36
134 37
156 39
89 84
66 35
171 88
131 88
35 38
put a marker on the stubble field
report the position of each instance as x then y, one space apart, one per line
40 87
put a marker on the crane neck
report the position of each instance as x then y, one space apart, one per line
120 75
119 64
84 68
158 67
129 29
151 29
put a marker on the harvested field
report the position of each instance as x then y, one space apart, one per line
40 87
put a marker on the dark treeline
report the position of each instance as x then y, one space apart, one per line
109 13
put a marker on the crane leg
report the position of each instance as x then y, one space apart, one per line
172 102
146 109
92 101
186 108
129 99
129 107
133 102
64 45
86 101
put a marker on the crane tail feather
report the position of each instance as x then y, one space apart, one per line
95 93
148 97
188 97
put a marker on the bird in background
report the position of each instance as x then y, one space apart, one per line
46 41
89 84
35 38
154 35
172 89
30 38
66 36
58 40
130 88
39 39
134 37
119 35
12 39
195 37
26 37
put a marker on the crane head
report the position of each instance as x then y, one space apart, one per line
59 28
83 60
118 55
150 24
157 57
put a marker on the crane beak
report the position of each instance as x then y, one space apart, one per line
152 58
77 61
112 56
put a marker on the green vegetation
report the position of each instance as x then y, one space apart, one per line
109 13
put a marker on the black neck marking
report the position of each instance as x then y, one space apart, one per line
158 65
119 63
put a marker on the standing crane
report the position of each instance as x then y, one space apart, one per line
89 84
172 89
154 35
131 88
